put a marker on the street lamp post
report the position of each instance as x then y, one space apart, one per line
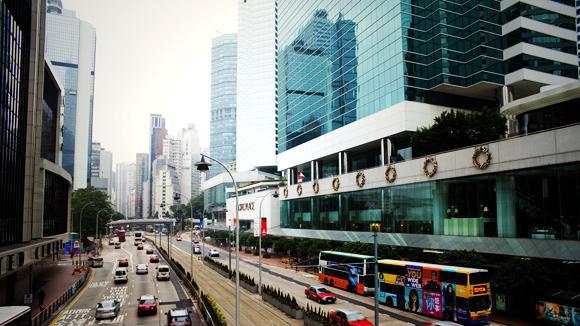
97 228
203 166
375 227
81 230
274 194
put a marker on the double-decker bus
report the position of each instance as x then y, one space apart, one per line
121 234
15 316
347 271
452 293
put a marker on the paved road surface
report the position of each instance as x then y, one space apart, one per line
170 293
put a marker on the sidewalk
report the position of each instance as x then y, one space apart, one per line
54 280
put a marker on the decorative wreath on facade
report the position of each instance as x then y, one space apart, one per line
315 186
360 179
285 192
390 173
477 153
335 183
299 190
430 171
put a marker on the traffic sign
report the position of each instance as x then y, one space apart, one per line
76 244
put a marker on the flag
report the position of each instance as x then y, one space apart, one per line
299 176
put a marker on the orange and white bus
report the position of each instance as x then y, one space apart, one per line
347 271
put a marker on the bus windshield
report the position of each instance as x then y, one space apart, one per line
479 303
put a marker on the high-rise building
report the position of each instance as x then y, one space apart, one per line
356 82
191 153
70 48
256 107
35 190
174 158
125 189
165 187
157 134
102 169
141 185
222 139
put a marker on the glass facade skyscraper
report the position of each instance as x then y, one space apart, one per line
70 48
222 139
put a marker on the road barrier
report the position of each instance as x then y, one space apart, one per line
49 312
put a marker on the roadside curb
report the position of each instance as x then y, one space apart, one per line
73 300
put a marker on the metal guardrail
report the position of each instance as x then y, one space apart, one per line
49 312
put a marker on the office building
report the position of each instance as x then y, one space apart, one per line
354 84
125 189
256 107
191 153
102 169
166 192
35 191
70 48
157 134
141 185
174 158
222 139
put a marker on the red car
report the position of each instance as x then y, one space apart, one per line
149 250
348 318
153 259
140 247
123 262
147 305
320 294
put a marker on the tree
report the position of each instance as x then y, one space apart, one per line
455 129
194 205
93 201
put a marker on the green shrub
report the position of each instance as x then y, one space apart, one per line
216 314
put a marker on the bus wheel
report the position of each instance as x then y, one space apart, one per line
325 281
389 301
331 282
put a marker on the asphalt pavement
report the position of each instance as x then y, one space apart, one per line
170 293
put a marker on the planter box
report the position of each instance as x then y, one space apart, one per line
251 288
311 322
218 270
294 313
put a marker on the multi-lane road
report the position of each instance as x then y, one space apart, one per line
101 287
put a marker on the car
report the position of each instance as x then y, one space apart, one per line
147 305
149 250
96 261
111 242
153 259
121 275
213 253
178 317
123 262
117 245
140 247
348 318
320 294
137 242
141 269
178 238
107 309
197 250
162 272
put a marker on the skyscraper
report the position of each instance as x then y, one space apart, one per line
141 186
256 108
191 151
70 48
125 188
102 169
157 134
223 100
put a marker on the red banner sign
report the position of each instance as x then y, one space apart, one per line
479 289
264 227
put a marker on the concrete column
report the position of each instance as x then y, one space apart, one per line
312 172
440 192
383 152
505 199
345 161
339 163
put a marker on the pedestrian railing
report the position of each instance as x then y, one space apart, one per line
48 313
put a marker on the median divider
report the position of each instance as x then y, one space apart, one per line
210 311
246 281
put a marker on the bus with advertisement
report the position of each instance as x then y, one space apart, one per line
457 294
121 234
347 271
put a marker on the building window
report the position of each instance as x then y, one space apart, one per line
56 191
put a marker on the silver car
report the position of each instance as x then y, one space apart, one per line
107 309
142 269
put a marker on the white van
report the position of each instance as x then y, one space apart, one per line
162 272
121 275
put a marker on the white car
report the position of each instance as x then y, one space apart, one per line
213 253
121 275
142 269
162 272
197 250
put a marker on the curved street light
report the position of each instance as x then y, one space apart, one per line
203 166
81 229
274 194
97 227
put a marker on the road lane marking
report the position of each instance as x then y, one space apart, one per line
74 301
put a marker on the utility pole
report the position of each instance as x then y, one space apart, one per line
375 227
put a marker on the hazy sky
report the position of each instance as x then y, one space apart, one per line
153 56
